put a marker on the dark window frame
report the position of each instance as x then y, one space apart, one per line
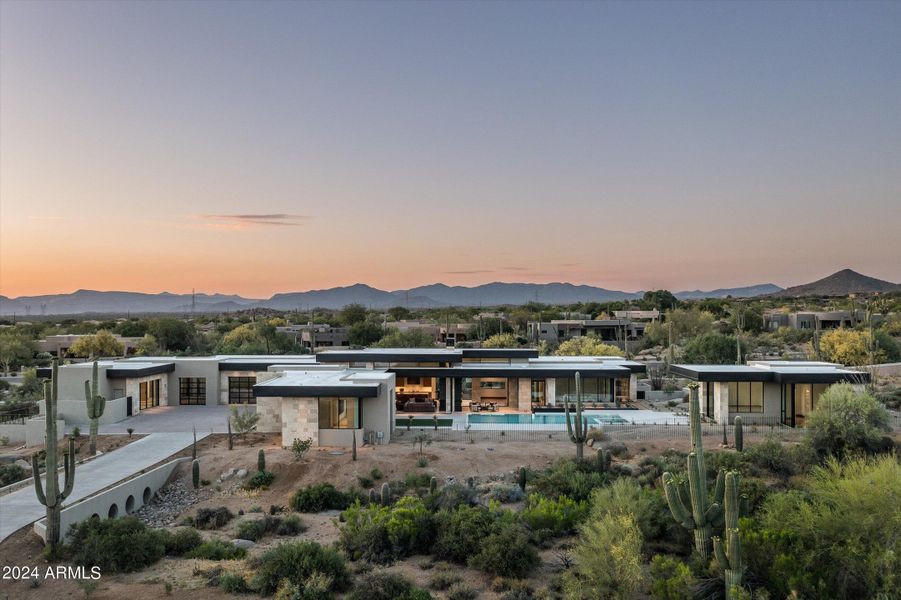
191 391
240 389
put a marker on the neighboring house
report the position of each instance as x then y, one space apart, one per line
317 335
58 345
448 334
812 321
638 315
767 392
611 331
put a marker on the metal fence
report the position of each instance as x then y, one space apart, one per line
19 414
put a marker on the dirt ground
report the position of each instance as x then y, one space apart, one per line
460 460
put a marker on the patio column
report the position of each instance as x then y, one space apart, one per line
550 391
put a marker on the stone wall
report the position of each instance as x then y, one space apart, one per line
269 409
300 420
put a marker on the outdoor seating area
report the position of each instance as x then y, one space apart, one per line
483 406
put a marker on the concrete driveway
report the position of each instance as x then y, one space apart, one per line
208 419
21 507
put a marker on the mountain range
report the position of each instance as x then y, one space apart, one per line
429 296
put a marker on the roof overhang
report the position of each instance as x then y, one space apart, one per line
361 390
511 371
129 373
370 356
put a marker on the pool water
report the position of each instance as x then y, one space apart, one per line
540 419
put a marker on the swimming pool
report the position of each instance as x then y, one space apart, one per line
540 419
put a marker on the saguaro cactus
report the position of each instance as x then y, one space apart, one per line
261 460
194 445
739 435
230 442
578 429
96 405
433 485
727 549
49 494
522 478
353 445
704 515
195 473
386 494
604 460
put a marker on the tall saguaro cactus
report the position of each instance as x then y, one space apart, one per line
727 549
96 405
50 494
578 429
739 435
704 514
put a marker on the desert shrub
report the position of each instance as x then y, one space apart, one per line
442 580
260 480
217 550
606 560
254 529
376 474
728 461
780 459
290 525
10 474
183 540
671 579
891 398
461 591
382 533
519 590
300 447
319 497
652 468
451 496
846 420
233 583
415 480
568 478
506 492
559 515
460 533
116 545
296 562
365 481
212 518
410 527
646 506
506 552
387 586
846 518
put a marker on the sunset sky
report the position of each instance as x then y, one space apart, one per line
253 148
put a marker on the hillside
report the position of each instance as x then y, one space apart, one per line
841 283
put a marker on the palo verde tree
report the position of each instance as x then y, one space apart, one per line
704 514
50 494
96 404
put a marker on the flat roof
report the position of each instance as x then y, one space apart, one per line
391 355
306 384
773 371
123 370
597 369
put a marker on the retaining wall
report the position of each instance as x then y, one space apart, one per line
118 501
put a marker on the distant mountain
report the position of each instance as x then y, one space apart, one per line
429 296
739 292
91 301
492 294
842 283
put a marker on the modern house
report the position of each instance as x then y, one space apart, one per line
812 321
769 392
58 345
317 335
611 331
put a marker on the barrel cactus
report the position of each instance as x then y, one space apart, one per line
261 460
386 494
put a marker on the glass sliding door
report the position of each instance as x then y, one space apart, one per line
539 397
149 393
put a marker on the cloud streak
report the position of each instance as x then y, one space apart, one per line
250 220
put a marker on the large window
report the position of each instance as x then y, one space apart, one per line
192 390
746 396
593 389
339 413
538 392
240 390
149 392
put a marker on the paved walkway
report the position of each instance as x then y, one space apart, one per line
21 507
208 419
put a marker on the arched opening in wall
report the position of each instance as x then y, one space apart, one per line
147 495
113 511
130 505
95 516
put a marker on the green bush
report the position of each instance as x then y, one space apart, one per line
451 496
381 585
461 532
461 591
560 515
506 492
382 533
260 480
506 552
646 506
320 497
217 550
671 579
233 583
845 421
183 540
297 561
846 519
568 478
116 545
518 590
212 518
290 525
606 560
443 580
10 474
415 480
254 529
780 459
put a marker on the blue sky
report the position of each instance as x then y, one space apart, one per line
628 145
